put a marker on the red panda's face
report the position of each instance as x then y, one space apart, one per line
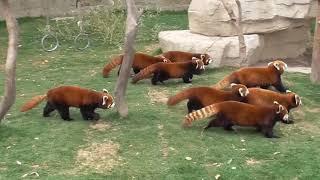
282 112
279 65
107 100
206 59
199 64
295 99
240 88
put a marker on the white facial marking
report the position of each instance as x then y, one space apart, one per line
270 63
286 117
298 100
276 65
240 92
104 100
202 56
194 58
288 91
285 66
233 84
275 102
210 61
197 61
247 92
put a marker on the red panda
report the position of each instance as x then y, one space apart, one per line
63 97
257 76
230 113
260 96
164 71
140 61
180 56
200 97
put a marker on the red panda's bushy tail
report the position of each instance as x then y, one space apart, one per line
225 82
114 63
182 95
200 114
33 102
145 73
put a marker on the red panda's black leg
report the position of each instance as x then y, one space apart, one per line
187 78
268 132
155 78
279 86
217 122
48 109
193 105
136 70
88 113
64 112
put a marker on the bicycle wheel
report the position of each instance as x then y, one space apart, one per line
82 41
49 42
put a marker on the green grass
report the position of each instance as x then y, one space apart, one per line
151 128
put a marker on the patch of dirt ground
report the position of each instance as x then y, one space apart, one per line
158 96
251 162
101 157
100 126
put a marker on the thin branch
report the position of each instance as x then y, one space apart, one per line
10 69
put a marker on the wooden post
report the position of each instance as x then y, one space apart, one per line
10 68
315 66
131 30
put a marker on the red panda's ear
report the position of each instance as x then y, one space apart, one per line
105 90
232 84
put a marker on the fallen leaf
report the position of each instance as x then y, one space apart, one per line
18 162
188 158
275 153
234 168
217 176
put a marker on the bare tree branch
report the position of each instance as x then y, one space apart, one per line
237 22
315 66
10 68
133 16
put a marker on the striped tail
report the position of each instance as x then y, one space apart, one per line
200 114
145 73
225 82
114 63
184 94
33 102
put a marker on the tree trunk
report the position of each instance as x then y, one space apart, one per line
238 25
315 66
131 29
10 68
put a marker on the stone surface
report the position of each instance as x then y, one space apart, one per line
223 50
209 17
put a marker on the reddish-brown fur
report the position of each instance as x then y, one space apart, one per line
63 97
163 71
229 113
180 56
260 96
200 97
140 61
256 76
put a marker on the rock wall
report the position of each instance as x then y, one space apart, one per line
273 29
209 17
35 8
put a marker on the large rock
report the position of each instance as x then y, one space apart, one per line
209 17
219 48
225 50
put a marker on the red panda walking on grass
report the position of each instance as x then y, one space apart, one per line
257 76
180 56
230 113
63 97
140 61
165 71
199 97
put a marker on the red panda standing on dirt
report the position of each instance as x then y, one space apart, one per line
63 97
200 97
164 71
180 56
140 61
257 76
260 96
230 113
